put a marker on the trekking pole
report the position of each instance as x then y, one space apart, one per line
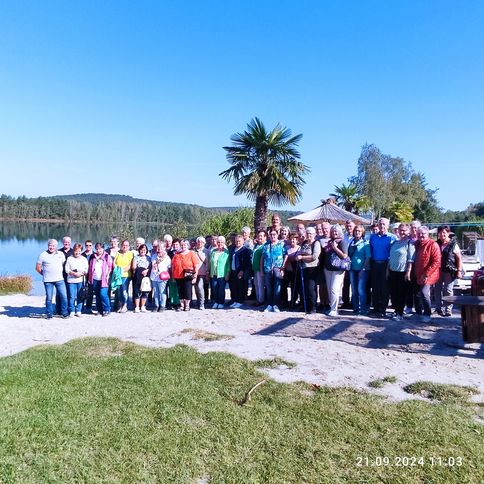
303 289
293 287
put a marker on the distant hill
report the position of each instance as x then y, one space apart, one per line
102 207
96 198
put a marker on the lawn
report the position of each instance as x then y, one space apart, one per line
101 410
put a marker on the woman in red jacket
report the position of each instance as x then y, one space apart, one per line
427 270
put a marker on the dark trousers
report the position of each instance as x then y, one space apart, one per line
379 286
398 290
346 289
310 280
238 288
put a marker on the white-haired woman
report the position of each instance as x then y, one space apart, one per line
309 257
203 255
185 266
336 254
160 275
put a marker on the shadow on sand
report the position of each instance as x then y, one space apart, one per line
23 312
442 337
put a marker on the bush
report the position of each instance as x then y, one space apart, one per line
15 284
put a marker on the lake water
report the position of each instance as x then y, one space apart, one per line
22 242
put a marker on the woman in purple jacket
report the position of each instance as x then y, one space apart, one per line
100 267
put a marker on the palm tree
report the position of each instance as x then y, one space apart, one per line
265 167
346 196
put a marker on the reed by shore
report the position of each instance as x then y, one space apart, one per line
17 284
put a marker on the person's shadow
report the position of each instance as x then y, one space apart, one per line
23 312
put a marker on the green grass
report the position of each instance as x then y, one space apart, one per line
381 382
100 410
441 392
274 363
200 334
15 284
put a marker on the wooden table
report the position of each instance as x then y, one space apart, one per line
472 316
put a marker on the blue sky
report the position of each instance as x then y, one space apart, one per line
138 98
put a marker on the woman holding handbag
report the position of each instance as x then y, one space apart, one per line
309 257
141 267
185 264
76 269
336 261
160 275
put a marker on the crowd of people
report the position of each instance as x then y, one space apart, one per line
316 268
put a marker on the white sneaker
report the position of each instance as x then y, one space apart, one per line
333 313
136 310
143 309
233 305
124 309
202 307
276 309
237 305
268 309
396 317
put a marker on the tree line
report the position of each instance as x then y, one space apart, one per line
101 209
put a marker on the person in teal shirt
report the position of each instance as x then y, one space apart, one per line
360 255
274 254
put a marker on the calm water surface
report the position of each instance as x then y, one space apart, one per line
22 242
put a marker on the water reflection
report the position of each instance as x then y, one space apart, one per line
22 231
22 242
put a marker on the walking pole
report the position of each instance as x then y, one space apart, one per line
293 288
303 289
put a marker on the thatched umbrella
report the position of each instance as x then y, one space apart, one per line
328 211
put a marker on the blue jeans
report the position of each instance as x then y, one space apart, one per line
74 304
218 290
60 287
160 293
273 289
358 281
423 300
122 291
102 299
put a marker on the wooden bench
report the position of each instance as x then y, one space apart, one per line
472 316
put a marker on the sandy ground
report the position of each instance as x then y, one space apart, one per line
343 351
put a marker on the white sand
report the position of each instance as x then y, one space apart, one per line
344 351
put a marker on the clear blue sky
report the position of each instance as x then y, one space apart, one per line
139 97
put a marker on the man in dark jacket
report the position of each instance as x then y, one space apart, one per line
240 271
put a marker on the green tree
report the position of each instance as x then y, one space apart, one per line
227 223
387 180
265 166
401 212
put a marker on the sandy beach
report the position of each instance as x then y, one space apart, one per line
343 351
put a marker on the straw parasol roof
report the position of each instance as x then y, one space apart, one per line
328 211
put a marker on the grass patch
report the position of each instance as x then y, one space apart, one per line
200 334
99 410
274 363
381 382
15 284
441 392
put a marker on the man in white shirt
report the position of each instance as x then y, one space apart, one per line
50 266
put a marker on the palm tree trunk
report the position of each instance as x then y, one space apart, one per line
260 213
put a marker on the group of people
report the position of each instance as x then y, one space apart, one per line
307 269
